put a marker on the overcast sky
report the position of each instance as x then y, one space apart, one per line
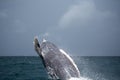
80 27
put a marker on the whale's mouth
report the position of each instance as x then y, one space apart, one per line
36 45
36 42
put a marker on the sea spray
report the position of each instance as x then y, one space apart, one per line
81 78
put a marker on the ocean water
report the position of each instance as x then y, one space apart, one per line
31 68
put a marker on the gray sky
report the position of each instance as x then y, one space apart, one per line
80 27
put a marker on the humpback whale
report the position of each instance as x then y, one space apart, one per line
57 62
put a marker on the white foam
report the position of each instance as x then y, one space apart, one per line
44 40
81 78
74 79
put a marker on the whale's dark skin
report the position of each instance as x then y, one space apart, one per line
58 65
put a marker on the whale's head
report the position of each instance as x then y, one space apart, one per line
44 47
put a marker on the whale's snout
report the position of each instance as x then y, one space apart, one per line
37 45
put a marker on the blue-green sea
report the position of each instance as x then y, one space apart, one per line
31 68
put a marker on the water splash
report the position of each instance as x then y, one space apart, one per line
81 78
